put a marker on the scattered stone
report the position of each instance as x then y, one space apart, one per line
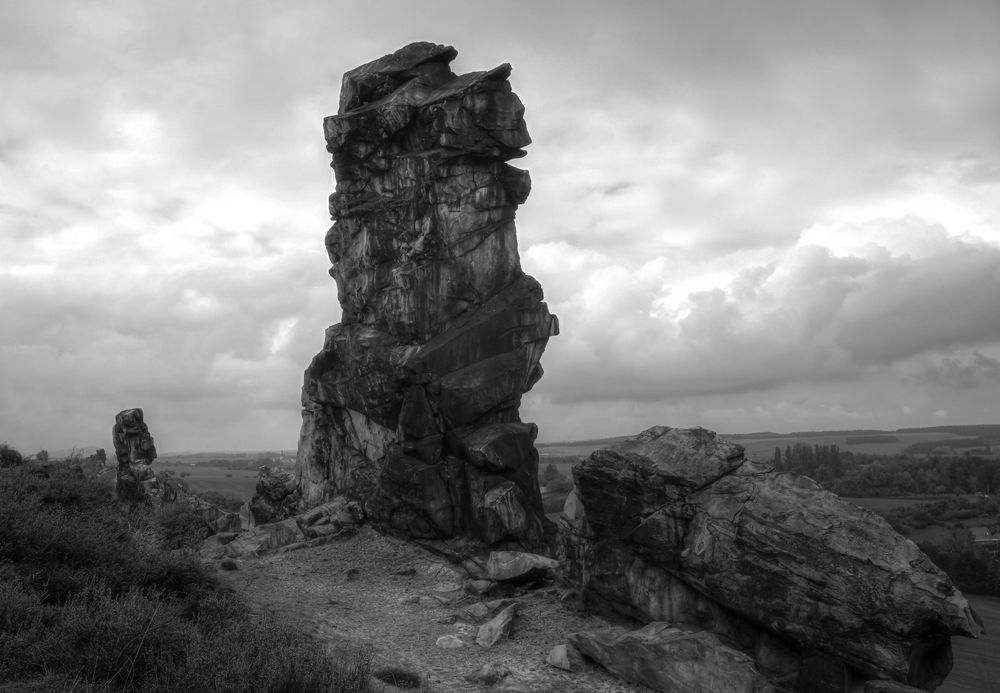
564 657
442 332
450 642
499 627
263 538
483 611
480 586
670 658
488 674
511 685
519 567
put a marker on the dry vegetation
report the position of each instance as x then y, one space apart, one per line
91 599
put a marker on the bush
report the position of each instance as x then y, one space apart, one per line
9 457
180 526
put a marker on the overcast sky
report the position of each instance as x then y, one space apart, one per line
768 215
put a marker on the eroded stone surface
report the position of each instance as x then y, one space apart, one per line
676 525
411 407
669 658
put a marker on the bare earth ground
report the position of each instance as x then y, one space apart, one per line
367 589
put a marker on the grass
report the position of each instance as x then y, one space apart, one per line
91 599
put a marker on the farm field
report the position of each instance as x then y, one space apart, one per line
977 662
238 483
763 448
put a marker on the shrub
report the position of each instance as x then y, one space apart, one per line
85 605
180 526
9 457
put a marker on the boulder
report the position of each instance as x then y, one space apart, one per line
678 525
276 496
411 406
563 657
499 627
265 537
519 566
670 658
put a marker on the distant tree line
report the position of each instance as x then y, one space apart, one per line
883 476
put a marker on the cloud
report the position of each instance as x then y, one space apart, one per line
811 314
975 371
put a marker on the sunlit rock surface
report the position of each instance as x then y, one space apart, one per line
677 525
411 406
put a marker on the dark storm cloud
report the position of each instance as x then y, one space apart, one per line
977 370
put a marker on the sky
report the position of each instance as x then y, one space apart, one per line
771 215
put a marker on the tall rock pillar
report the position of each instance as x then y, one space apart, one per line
411 407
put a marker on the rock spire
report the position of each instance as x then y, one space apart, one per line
411 407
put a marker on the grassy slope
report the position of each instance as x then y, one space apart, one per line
91 601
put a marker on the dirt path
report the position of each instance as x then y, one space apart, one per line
396 597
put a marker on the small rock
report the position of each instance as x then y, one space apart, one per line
480 586
229 564
488 674
519 566
513 686
498 628
450 642
564 657
406 572
482 611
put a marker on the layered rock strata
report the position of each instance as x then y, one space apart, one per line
411 406
679 526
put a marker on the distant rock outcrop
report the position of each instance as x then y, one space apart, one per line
678 526
411 407
135 452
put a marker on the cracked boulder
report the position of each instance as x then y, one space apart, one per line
411 406
678 525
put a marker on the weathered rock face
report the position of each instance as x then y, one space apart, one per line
412 405
135 452
677 525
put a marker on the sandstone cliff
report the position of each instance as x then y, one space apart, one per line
411 407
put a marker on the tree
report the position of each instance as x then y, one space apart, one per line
42 456
776 460
100 455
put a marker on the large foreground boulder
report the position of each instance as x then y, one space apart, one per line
678 525
411 407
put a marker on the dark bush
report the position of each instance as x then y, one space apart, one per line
9 457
